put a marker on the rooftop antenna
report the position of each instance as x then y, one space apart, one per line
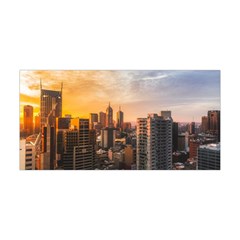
40 84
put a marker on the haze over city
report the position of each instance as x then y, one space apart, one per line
188 94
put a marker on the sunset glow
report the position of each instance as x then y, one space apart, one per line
188 94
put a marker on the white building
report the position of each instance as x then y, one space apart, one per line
27 154
154 142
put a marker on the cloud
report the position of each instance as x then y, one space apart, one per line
138 91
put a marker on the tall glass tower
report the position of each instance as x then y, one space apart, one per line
109 117
50 106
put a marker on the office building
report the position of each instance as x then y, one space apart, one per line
192 128
175 136
209 157
102 119
62 125
48 155
37 124
204 125
214 123
108 136
120 119
30 152
93 119
78 148
27 155
50 109
130 156
193 147
109 117
127 126
50 106
28 119
154 142
181 142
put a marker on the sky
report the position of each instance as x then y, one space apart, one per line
188 94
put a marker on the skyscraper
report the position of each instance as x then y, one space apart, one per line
37 124
175 136
154 142
50 102
109 117
120 119
214 123
204 127
78 148
28 119
192 128
102 119
108 137
50 109
93 118
62 125
209 157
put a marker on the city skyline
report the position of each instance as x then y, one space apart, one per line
188 94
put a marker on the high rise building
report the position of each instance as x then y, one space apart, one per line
120 119
28 119
37 124
93 119
127 126
175 136
193 147
50 109
27 155
204 125
102 119
48 155
62 125
109 117
192 128
108 137
214 123
181 142
209 157
78 148
29 152
154 142
130 156
50 106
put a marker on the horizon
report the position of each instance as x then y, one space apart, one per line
187 94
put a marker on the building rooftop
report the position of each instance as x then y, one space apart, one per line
211 146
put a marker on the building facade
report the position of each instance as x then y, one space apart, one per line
78 148
209 157
102 119
37 128
108 136
109 117
154 143
93 119
204 125
214 123
50 106
28 119
120 119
